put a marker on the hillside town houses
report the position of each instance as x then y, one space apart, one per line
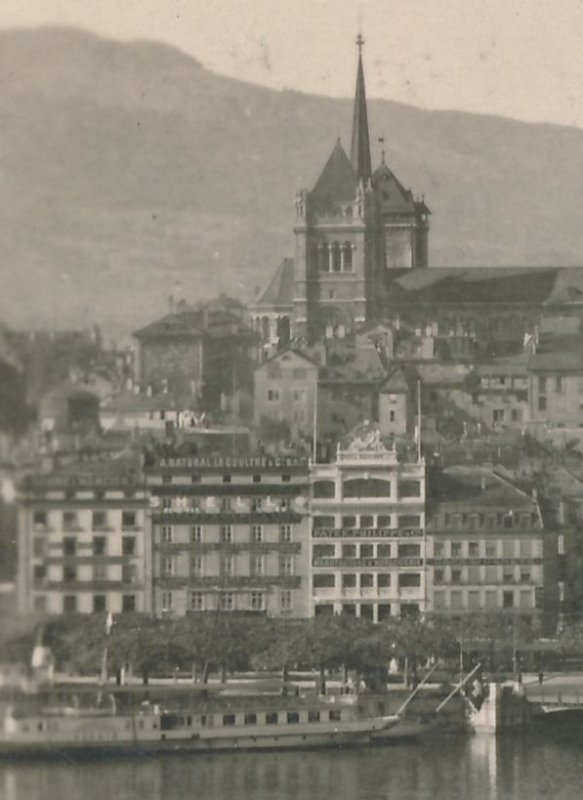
370 436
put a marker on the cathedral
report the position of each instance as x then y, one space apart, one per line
362 256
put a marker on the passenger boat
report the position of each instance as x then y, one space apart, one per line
191 723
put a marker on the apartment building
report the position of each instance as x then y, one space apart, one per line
83 542
229 534
367 535
485 545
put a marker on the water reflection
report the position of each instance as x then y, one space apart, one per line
481 767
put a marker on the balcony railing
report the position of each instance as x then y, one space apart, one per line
229 547
226 583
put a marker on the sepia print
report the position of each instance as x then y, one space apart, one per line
291 399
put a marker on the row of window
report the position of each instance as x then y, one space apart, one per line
72 546
290 717
493 548
99 603
488 574
556 383
97 572
275 395
333 257
238 505
374 612
99 519
474 599
403 550
226 478
227 601
197 534
328 580
366 487
489 521
368 522
229 566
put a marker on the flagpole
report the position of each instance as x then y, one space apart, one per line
419 421
315 434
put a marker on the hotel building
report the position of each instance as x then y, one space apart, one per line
229 534
367 536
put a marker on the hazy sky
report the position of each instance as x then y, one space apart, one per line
521 58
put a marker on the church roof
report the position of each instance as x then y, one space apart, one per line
280 289
393 197
337 183
516 285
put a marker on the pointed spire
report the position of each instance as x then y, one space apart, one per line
360 150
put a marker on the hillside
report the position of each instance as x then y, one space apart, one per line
127 167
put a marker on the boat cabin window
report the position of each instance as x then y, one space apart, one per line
228 719
313 716
335 715
250 719
271 718
293 717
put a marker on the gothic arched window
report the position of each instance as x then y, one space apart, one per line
324 258
336 257
347 257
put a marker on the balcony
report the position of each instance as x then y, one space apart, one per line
225 517
226 583
88 586
229 547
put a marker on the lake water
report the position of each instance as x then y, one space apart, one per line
517 767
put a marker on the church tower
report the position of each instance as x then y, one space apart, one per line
336 234
351 230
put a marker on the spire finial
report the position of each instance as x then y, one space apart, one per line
382 142
359 43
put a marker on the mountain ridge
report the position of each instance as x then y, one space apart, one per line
128 167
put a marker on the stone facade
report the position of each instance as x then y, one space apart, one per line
368 522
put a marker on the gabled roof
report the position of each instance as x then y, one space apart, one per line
186 324
476 487
337 183
352 365
212 320
279 292
287 351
